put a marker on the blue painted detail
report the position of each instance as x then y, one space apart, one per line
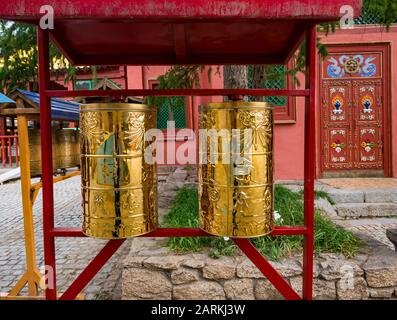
369 69
5 99
336 67
60 109
334 70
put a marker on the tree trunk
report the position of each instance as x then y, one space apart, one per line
258 80
235 77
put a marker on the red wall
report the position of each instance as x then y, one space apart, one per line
289 138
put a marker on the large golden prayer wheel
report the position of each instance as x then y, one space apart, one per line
119 188
236 169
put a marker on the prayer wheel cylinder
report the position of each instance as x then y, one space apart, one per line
68 148
119 188
35 152
236 169
65 150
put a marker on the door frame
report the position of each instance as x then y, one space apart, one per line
385 47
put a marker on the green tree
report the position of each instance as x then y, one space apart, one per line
18 61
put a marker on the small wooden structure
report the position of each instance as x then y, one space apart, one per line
106 84
26 108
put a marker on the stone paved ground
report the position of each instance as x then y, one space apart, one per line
375 228
73 254
361 183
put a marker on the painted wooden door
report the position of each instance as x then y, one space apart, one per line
354 118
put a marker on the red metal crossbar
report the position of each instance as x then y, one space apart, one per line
181 232
178 92
92 269
50 233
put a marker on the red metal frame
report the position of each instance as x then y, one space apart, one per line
50 232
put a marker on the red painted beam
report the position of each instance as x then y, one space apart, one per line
92 269
289 231
177 92
180 41
156 59
267 269
180 232
328 10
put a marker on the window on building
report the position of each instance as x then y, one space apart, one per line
175 111
370 18
172 109
83 84
284 106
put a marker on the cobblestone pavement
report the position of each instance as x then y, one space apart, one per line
73 254
375 228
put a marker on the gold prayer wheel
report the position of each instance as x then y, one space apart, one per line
236 169
68 148
35 151
119 188
65 150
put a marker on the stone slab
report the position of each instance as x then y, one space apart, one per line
357 210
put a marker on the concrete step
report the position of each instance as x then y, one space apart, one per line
381 195
357 210
361 196
346 196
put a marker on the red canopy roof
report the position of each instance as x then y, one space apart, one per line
104 32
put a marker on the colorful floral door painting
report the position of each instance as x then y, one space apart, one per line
354 111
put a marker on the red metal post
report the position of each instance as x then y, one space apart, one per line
46 162
3 152
16 151
309 166
126 77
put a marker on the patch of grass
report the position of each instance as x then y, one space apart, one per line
184 213
328 236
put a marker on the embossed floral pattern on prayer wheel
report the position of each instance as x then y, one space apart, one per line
119 188
236 169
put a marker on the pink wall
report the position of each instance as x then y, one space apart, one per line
288 146
289 138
